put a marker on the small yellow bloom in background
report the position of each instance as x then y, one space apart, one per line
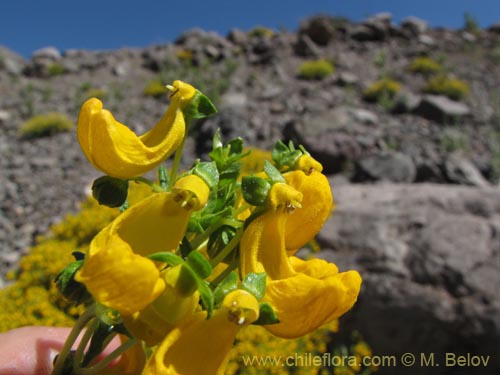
116 271
304 294
200 346
117 151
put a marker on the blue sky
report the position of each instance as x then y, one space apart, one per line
26 25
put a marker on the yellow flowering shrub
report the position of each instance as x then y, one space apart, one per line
424 65
382 89
451 87
45 125
155 88
315 69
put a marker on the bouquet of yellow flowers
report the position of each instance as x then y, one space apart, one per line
177 275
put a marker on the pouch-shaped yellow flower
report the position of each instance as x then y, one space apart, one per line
304 294
116 271
113 148
200 346
303 224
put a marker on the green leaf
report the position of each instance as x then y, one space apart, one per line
185 247
267 315
110 191
217 141
273 173
199 264
208 172
255 190
226 286
166 257
255 283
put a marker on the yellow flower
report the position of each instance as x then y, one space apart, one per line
304 294
116 271
200 346
177 301
117 151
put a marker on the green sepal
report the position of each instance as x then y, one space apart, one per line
226 286
255 283
101 332
255 190
187 282
166 257
70 288
200 106
208 172
273 173
267 315
206 296
199 264
163 177
185 247
285 157
110 191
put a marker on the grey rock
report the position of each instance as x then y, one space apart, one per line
440 108
46 53
388 166
238 37
347 79
121 69
460 170
426 40
4 116
306 47
429 257
495 28
364 116
368 32
414 25
318 29
406 102
10 61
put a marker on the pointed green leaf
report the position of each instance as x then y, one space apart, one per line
267 315
208 172
273 173
226 286
166 257
255 283
199 264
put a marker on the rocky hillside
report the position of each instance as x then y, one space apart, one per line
400 134
379 102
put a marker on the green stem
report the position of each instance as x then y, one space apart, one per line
70 340
229 247
94 370
144 180
202 238
77 359
178 156
230 268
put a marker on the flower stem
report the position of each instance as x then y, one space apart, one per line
226 250
178 156
77 359
96 369
70 340
232 266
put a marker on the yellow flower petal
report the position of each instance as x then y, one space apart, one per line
316 295
117 151
115 270
201 346
317 202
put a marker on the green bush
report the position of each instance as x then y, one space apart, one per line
315 69
261 31
451 87
45 125
424 65
55 69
